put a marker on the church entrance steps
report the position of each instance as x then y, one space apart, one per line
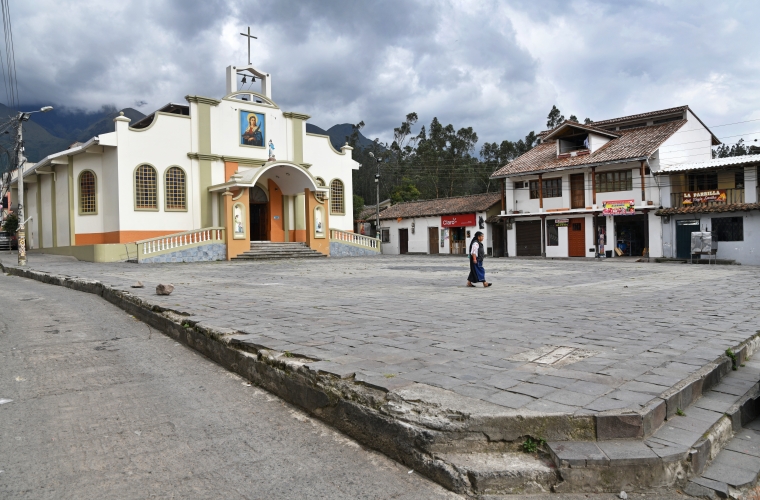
264 250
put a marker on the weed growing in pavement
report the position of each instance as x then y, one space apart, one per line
288 354
680 413
389 375
731 355
531 445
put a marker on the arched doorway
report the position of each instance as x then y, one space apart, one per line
259 214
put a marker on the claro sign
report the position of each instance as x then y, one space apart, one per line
461 220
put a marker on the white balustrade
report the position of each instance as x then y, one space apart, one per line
356 239
180 240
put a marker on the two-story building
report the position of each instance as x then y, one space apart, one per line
719 196
586 184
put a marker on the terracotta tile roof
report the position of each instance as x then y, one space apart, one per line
442 206
632 144
641 116
583 126
369 212
706 209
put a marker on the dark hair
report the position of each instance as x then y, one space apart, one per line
475 240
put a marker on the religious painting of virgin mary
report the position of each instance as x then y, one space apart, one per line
252 129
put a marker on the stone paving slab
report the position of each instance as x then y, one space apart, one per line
550 336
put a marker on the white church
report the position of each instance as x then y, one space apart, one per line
199 180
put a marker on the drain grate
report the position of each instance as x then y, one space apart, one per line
553 355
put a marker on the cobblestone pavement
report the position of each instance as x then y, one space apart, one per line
101 406
549 336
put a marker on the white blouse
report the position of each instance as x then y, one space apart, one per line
475 248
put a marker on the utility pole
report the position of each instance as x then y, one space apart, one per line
377 197
21 160
22 117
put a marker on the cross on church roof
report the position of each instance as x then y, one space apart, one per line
249 42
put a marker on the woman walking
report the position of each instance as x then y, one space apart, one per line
477 273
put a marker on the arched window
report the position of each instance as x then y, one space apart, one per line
319 195
337 204
87 196
146 188
175 190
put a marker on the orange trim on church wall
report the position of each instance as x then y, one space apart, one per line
298 235
119 236
276 231
236 247
230 168
319 244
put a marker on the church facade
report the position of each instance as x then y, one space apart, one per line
210 171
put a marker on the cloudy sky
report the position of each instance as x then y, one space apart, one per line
497 66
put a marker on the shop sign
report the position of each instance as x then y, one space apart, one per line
715 195
619 207
561 222
461 220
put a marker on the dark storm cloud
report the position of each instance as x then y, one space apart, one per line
495 66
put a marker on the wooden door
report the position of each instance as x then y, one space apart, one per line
498 239
403 241
528 235
259 219
576 238
433 240
577 191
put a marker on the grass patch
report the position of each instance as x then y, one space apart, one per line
731 355
531 445
680 413
389 375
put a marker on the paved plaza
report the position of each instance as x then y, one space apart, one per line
568 337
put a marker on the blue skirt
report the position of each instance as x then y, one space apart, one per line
477 273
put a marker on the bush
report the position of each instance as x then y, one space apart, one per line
11 224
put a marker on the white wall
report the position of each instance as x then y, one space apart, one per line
164 144
93 223
62 205
328 164
419 241
692 143
46 183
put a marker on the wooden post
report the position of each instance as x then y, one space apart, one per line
540 191
643 182
504 195
593 185
543 236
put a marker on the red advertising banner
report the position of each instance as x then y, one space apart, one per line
717 195
619 207
461 220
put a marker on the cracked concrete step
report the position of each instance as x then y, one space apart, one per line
679 449
504 473
735 469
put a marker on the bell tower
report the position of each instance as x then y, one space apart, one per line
249 74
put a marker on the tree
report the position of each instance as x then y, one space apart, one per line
588 121
554 118
358 206
738 149
11 224
573 118
407 191
353 139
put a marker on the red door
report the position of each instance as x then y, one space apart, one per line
576 238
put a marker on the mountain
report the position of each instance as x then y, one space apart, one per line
47 133
338 134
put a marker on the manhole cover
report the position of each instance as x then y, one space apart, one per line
553 355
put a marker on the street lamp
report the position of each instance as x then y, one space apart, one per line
377 187
22 117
